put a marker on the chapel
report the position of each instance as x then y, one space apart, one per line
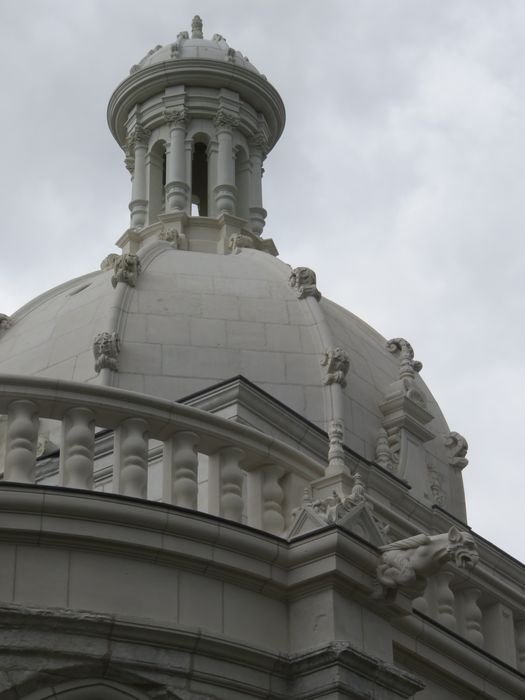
216 482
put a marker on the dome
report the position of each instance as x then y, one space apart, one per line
194 320
195 47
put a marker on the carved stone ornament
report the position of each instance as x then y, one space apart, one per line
176 116
304 281
175 48
335 507
259 141
336 455
388 446
5 322
407 366
239 241
404 562
126 269
109 261
196 28
139 135
458 447
106 348
436 486
337 364
225 119
171 235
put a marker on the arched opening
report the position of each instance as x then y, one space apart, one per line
87 689
199 180
156 168
242 183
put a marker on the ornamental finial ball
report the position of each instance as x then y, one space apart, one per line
196 28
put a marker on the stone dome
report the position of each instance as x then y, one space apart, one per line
195 46
196 319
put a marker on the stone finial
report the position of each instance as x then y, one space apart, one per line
337 364
106 348
405 562
175 47
408 366
458 447
126 269
304 280
109 261
196 28
383 452
5 322
335 507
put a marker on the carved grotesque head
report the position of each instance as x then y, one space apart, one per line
462 548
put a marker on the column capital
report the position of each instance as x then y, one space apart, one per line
225 120
258 141
138 136
176 117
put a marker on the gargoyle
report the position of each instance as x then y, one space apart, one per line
406 561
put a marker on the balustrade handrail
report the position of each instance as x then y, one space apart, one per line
110 406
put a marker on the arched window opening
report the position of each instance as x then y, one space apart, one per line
156 180
199 180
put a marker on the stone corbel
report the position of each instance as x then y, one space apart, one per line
337 364
126 269
304 281
408 563
458 447
106 349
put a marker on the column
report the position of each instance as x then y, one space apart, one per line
139 203
258 148
225 190
176 186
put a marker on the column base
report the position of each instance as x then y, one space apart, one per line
139 210
257 219
176 195
225 198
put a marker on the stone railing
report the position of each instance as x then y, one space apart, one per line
481 607
251 476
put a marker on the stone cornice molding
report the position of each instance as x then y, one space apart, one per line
143 84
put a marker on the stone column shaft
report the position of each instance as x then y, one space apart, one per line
176 186
257 211
139 200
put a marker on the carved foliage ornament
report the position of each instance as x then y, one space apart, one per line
337 364
403 562
225 119
304 280
5 322
388 448
126 269
458 447
109 261
106 348
238 241
176 116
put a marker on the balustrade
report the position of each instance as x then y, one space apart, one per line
235 451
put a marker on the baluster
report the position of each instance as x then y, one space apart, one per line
272 499
520 645
21 442
471 618
130 476
231 481
78 447
181 462
445 601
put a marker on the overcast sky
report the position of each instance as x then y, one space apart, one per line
400 178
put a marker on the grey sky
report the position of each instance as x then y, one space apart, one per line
400 178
